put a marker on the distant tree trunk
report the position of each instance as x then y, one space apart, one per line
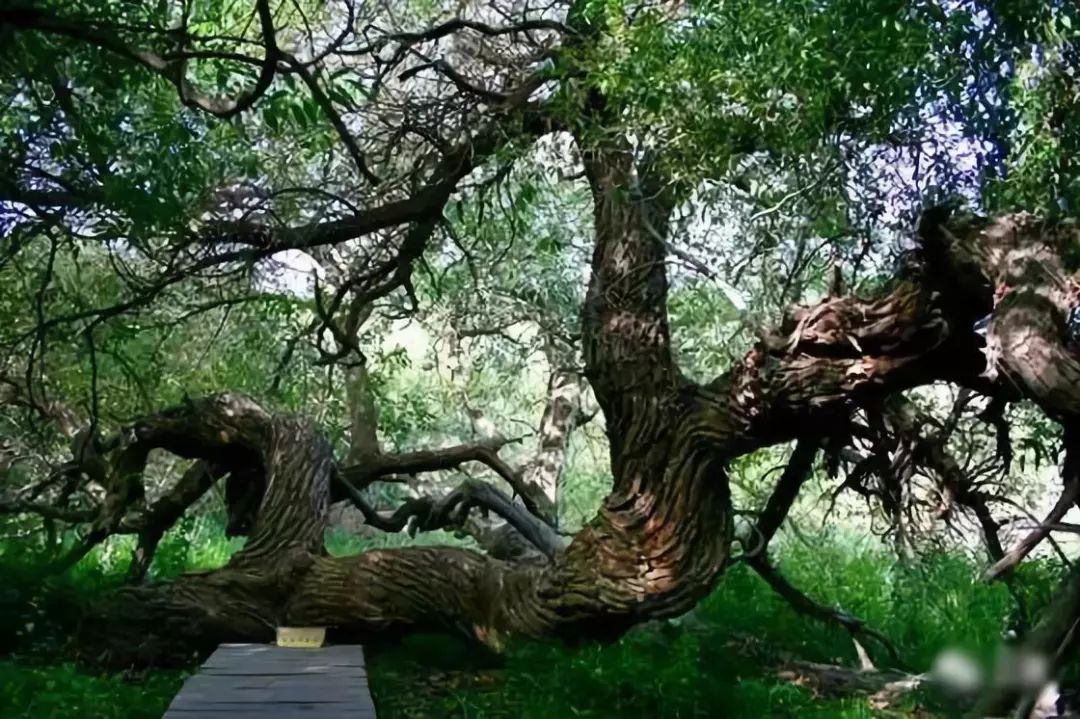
563 413
363 437
363 414
542 474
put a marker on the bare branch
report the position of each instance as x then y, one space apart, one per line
787 488
808 607
1026 545
427 514
327 106
432 460
457 24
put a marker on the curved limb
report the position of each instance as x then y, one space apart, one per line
376 467
426 514
771 518
151 525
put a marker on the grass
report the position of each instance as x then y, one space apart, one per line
721 659
718 661
34 690
652 672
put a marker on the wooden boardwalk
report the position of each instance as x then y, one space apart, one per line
245 681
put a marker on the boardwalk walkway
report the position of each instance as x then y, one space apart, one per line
245 681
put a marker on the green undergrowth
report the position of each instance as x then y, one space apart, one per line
30 689
653 672
720 660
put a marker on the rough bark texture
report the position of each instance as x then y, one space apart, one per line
662 537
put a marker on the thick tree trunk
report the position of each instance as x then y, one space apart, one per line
662 537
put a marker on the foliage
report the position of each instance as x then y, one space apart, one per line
62 691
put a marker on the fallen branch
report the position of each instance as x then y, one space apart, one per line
829 680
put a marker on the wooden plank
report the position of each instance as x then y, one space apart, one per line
270 695
249 680
311 710
202 682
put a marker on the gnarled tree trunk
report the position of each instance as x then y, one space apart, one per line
662 537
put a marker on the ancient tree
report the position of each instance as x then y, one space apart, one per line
445 110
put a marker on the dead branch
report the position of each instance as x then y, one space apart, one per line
806 606
427 514
1041 531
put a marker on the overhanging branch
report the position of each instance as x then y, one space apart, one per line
110 39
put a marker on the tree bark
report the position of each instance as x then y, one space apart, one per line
363 414
662 537
563 413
